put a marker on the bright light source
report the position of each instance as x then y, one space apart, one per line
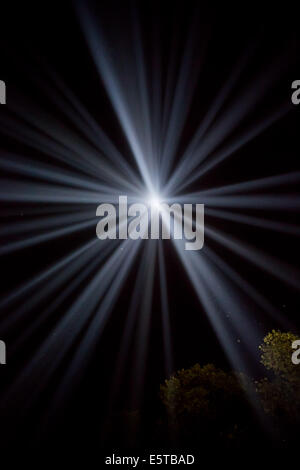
154 202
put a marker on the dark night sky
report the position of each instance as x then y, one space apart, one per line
51 35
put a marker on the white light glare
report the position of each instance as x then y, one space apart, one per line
155 202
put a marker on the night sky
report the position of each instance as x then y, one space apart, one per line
40 46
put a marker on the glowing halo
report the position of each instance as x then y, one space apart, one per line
155 202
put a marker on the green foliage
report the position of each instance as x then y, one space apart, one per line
198 390
205 400
276 354
280 396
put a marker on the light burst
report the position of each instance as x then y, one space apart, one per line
86 168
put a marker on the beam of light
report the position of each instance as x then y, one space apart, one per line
135 309
210 290
95 328
38 193
238 337
197 274
222 301
218 295
132 316
27 287
143 328
180 179
259 184
40 140
118 96
155 202
53 139
270 202
156 99
188 78
46 237
62 143
253 295
168 355
53 350
227 122
95 171
255 222
71 278
273 266
26 167
222 96
67 102
48 222
207 295
45 291
145 130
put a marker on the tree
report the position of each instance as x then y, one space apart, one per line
277 352
280 395
206 402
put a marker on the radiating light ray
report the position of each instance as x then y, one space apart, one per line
97 172
247 288
48 222
54 282
46 237
142 337
213 310
218 294
43 143
273 266
145 121
132 316
106 68
229 121
10 211
252 185
81 267
169 366
39 193
185 87
255 221
270 202
53 350
199 272
94 330
229 299
42 172
230 149
156 99
51 135
127 337
68 103
27 287
53 139
168 93
205 289
187 163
